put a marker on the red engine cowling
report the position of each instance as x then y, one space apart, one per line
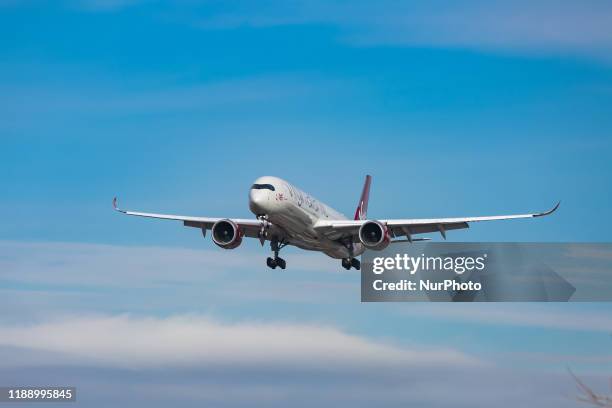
227 234
374 235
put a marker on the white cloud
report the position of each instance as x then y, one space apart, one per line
196 341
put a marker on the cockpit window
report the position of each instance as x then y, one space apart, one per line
262 187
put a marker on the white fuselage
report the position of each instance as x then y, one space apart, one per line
296 213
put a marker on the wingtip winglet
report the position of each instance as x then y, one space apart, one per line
115 207
552 210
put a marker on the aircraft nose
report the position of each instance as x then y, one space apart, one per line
258 200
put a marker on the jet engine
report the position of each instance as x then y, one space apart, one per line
374 235
226 234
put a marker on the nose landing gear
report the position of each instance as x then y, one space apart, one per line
276 261
348 263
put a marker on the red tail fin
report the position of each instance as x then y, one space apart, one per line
362 207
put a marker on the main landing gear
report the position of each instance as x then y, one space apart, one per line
348 263
276 261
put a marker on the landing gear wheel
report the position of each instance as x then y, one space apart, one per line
276 246
271 262
348 263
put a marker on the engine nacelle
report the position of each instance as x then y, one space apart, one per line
227 234
374 235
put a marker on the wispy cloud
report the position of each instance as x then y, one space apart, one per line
195 361
131 342
113 98
566 28
545 27
102 265
104 5
50 278
258 358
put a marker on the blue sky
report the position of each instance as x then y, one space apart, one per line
475 108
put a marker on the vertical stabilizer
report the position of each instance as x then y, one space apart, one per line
362 207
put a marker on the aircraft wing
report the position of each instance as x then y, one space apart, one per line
408 227
251 227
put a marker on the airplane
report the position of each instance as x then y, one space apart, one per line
285 215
